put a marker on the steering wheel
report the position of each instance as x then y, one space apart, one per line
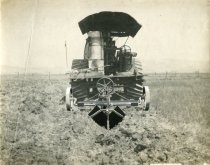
125 48
105 86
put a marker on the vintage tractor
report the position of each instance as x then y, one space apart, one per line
109 78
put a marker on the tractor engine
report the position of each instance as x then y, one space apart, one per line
109 77
104 56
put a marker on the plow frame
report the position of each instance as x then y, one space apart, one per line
104 111
143 102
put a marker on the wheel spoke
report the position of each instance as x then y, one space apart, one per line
108 83
100 84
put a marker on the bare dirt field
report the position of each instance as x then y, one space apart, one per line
36 129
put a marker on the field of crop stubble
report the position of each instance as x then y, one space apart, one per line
36 128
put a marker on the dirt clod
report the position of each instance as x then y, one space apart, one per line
140 147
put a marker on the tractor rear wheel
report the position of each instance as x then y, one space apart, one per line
137 66
146 94
69 99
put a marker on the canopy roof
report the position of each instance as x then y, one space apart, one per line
117 23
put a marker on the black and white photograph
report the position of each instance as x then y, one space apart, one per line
105 82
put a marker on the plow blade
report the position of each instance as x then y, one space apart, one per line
116 117
105 119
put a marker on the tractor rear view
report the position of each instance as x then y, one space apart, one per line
109 78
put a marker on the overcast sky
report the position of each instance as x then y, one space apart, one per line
174 36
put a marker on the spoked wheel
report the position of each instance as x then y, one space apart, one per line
146 94
69 99
105 86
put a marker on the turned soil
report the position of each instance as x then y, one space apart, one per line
37 129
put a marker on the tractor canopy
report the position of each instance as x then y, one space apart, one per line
116 23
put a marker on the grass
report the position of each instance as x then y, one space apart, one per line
181 100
